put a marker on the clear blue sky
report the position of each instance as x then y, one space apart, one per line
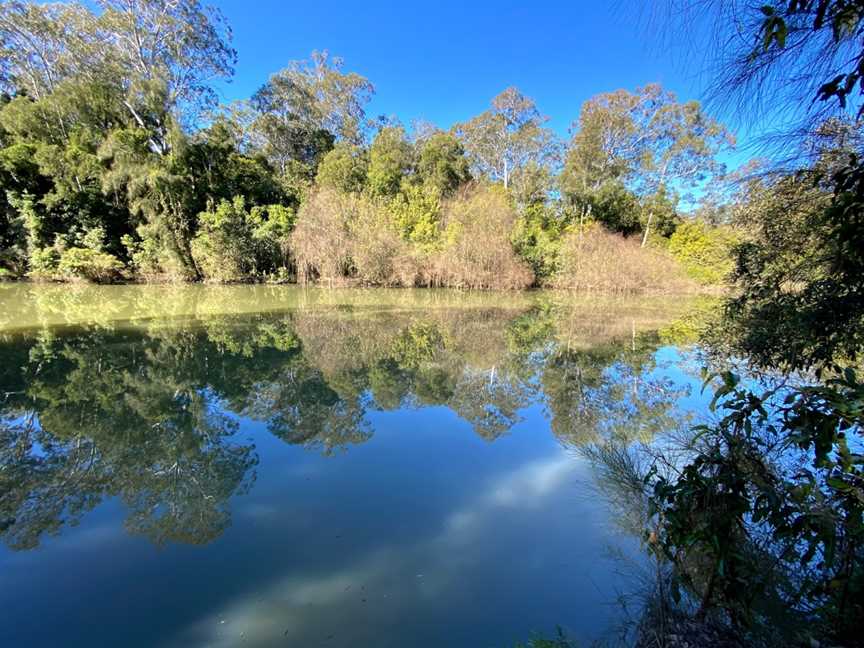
444 61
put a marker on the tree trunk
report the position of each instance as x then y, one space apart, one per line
647 229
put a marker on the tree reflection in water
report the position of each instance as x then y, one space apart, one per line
149 414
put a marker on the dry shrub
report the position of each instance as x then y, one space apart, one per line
322 236
379 255
598 260
477 252
343 238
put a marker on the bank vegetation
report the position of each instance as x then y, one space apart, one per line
118 164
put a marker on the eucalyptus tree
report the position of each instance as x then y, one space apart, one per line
677 145
52 58
166 55
646 139
161 57
601 155
42 45
502 141
307 106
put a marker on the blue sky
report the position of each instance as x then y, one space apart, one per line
444 61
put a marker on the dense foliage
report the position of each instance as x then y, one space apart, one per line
763 522
117 164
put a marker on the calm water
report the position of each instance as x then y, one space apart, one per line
193 466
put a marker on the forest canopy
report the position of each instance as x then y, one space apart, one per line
118 163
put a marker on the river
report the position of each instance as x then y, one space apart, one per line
282 466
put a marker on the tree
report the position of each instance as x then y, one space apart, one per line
283 139
616 207
678 147
391 159
442 163
797 267
344 168
222 171
159 57
602 155
165 55
769 508
312 96
502 141
117 84
44 45
159 189
647 140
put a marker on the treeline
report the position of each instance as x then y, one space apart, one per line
117 163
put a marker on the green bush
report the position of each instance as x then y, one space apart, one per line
344 169
617 208
271 226
390 160
416 214
536 238
442 164
151 257
89 265
43 262
223 248
704 251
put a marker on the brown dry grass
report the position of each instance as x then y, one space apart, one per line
320 241
477 252
348 238
599 261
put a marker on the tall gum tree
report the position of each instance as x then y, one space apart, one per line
159 56
315 94
167 53
677 145
648 140
602 150
502 141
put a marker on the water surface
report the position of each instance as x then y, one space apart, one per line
259 466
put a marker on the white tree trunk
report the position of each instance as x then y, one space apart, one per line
647 229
